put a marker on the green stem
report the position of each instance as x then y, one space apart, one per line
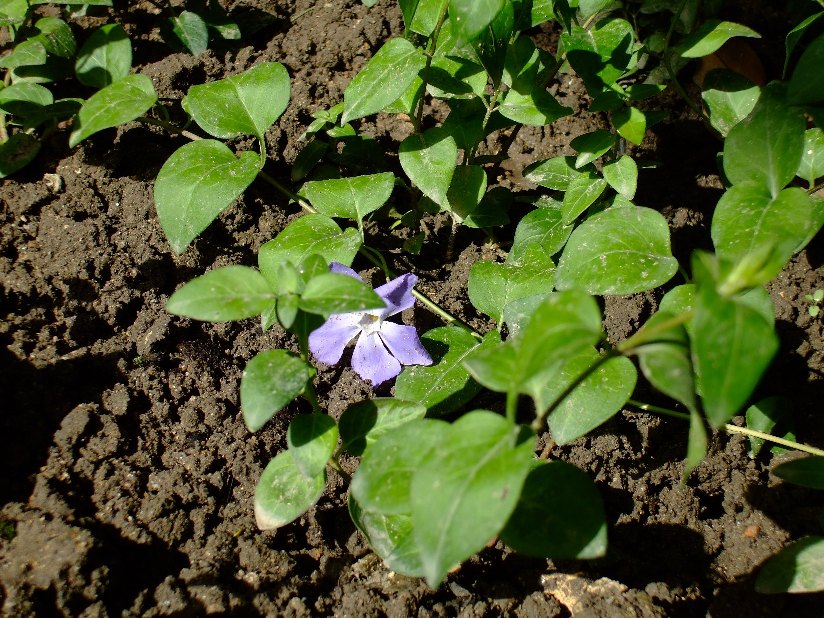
730 428
430 53
493 100
168 126
335 465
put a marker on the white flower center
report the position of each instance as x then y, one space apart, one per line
370 324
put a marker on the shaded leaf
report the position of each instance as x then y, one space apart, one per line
283 493
271 380
105 57
312 439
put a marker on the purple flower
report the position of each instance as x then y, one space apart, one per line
382 346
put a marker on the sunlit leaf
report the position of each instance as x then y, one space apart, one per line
283 493
271 380
222 295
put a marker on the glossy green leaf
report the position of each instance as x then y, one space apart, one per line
518 312
563 324
116 104
711 35
602 54
283 493
429 159
732 344
764 416
812 160
198 182
335 293
521 64
798 568
24 99
222 295
536 108
105 57
191 31
350 198
307 235
618 251
729 97
455 77
665 358
390 537
17 152
580 195
592 145
243 104
795 35
471 17
544 228
383 79
28 53
806 471
559 515
271 380
766 147
362 423
445 385
476 475
555 173
492 285
631 124
56 36
594 401
622 175
748 222
383 480
466 190
312 439
491 43
427 13
807 81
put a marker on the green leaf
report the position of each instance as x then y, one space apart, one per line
812 160
544 228
455 77
116 104
622 175
17 152
748 222
592 145
426 15
536 108
383 79
491 43
763 416
283 493
471 17
559 515
807 81
555 173
600 55
767 146
798 567
335 293
243 104
696 443
475 475
312 439
429 159
198 182
350 198
580 195
390 537
383 480
711 35
806 471
594 401
28 53
105 57
270 381
24 99
191 31
732 345
665 358
222 295
445 385
795 35
631 124
56 36
729 97
364 422
467 188
616 252
493 285
311 233
588 8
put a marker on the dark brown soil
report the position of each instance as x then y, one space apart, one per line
129 473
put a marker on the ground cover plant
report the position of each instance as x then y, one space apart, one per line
440 477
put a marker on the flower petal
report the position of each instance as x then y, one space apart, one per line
328 341
372 361
404 344
343 269
397 294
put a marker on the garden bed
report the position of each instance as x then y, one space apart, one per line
129 470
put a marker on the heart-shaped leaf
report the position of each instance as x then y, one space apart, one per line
198 182
283 493
271 380
350 198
